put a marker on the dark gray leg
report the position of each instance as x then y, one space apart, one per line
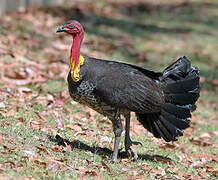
117 128
128 142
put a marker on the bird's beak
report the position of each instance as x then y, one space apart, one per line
61 29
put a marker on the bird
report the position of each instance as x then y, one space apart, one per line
162 101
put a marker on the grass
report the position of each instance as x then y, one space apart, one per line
145 34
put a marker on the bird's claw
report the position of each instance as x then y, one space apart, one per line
131 152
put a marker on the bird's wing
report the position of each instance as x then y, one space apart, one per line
126 87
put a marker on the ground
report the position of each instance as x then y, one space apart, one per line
46 135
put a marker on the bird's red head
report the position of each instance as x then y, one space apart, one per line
71 27
75 29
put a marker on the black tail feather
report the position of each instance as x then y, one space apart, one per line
180 82
189 97
178 122
178 111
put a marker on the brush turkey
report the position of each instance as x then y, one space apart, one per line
162 101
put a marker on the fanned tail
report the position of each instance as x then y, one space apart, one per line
180 82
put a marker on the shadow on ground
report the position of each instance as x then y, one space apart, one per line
103 151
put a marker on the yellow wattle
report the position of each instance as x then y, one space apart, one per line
75 71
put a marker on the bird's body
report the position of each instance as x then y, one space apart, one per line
107 85
162 101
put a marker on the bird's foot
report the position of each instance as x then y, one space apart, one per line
129 149
132 153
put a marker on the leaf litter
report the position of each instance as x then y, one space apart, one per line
34 62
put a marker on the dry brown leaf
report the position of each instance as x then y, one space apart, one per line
106 166
212 169
9 73
163 159
20 119
203 174
35 125
57 149
199 142
38 161
91 173
11 163
145 167
167 145
74 127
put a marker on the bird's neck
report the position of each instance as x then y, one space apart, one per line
76 60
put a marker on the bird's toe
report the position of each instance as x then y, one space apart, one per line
132 153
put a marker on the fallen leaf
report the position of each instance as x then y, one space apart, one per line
199 142
106 166
163 159
20 119
212 169
91 173
35 125
203 174
167 145
57 149
12 164
38 161
74 127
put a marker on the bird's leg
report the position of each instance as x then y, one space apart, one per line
128 142
117 128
